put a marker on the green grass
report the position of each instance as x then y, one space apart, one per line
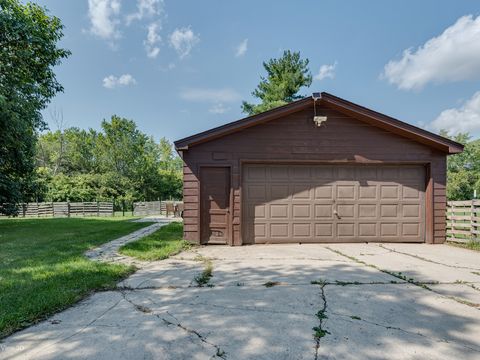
471 245
165 242
42 267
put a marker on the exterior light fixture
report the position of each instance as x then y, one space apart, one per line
317 119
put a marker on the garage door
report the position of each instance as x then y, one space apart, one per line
333 203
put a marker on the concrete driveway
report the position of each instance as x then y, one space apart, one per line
263 302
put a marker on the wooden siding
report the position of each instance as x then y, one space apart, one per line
294 138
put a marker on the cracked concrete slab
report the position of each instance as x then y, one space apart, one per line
167 273
160 313
403 321
412 265
292 271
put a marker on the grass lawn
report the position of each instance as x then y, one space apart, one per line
164 242
42 267
471 245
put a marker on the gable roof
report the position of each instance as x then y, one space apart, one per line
346 107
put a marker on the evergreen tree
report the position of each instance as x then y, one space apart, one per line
285 77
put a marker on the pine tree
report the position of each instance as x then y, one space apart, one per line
285 76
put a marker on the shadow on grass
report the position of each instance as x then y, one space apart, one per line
43 268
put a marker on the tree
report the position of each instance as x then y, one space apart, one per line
463 170
28 53
118 162
285 77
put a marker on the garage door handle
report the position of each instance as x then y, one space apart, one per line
335 212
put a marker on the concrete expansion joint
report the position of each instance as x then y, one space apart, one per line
412 281
425 259
247 309
353 319
219 353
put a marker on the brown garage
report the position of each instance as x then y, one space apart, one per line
320 169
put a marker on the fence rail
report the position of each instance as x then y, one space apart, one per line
463 220
66 209
157 208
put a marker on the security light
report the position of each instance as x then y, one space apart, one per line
317 120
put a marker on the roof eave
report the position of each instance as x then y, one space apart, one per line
393 125
211 134
364 114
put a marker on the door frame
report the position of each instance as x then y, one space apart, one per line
200 167
429 182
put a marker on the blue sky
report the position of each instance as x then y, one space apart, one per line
178 67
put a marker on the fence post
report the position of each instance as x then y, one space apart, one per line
68 208
98 209
452 213
473 223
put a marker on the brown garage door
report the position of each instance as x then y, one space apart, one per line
333 203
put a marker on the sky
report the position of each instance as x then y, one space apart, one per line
177 67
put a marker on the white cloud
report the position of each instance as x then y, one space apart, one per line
214 96
183 40
326 71
112 82
103 17
145 8
218 109
170 66
463 119
241 49
153 40
452 56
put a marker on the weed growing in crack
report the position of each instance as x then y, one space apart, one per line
354 317
270 284
220 353
240 284
321 315
318 331
204 277
476 273
345 283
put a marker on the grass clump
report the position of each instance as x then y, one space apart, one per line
470 245
163 243
204 277
43 268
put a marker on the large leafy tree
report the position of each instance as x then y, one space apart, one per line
28 53
118 162
463 170
285 77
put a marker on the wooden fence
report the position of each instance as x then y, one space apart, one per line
66 209
463 220
156 207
